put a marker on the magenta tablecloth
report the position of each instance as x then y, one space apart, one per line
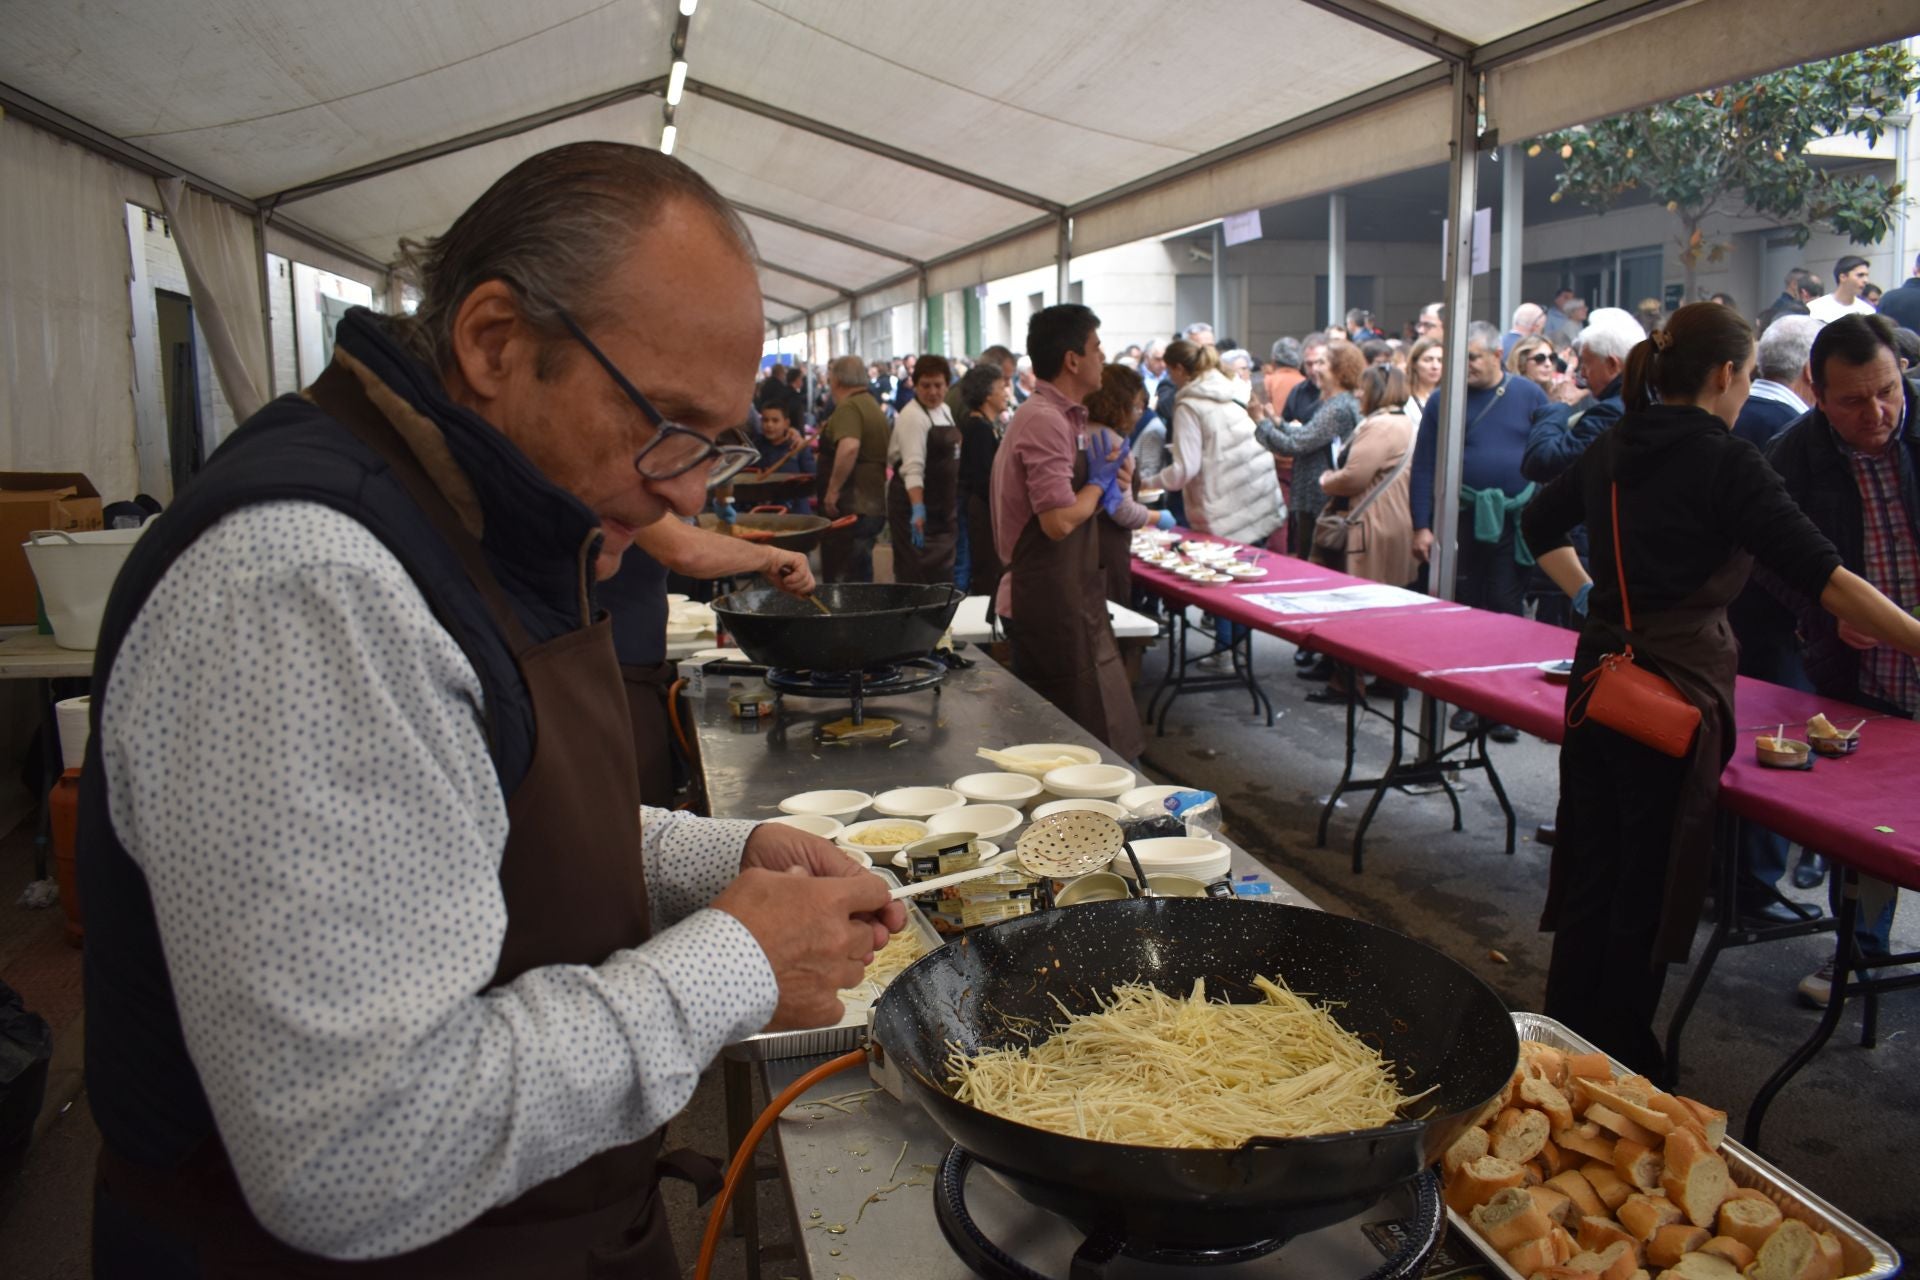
1489 664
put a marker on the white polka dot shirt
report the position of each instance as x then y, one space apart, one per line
296 760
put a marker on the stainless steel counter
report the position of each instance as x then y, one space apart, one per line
834 1158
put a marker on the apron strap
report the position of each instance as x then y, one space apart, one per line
688 1165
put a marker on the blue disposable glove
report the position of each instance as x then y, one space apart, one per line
1100 470
1165 522
1580 598
919 524
728 512
1111 497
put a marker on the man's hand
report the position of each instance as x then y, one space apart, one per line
1422 544
818 932
1857 638
774 846
830 505
789 571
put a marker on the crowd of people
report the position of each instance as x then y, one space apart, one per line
1787 439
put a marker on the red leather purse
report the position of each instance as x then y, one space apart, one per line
1628 698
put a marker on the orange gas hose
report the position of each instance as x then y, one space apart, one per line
743 1158
673 715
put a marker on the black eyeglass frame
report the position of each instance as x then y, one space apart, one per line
728 460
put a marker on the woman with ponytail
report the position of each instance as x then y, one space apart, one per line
1696 505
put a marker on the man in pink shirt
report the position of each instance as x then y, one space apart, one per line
1050 478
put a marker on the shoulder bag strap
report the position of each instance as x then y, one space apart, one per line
1620 567
1406 460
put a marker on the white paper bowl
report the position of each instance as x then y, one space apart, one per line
1043 752
982 850
1091 781
998 788
917 802
987 821
846 840
818 824
1180 855
863 858
843 805
1108 807
1145 802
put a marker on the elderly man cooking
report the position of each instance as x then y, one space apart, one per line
387 962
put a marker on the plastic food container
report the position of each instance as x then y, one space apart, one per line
74 572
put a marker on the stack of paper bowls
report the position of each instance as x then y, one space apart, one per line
1178 855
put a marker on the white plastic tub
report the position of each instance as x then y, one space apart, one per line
75 571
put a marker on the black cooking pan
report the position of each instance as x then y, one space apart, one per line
787 531
871 624
751 488
1435 1021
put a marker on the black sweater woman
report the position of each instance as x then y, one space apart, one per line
1697 505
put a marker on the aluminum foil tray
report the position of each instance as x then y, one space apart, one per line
1868 1257
846 1034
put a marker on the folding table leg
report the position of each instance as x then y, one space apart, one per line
1500 794
1387 776
1346 771
1836 1005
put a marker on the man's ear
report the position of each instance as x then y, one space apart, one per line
489 337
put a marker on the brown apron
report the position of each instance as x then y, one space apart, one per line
574 893
1116 558
647 694
1063 645
940 489
1693 646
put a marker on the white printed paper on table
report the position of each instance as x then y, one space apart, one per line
1367 595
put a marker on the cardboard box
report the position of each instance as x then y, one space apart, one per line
31 500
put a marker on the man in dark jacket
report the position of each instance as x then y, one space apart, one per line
1853 465
1782 384
1802 287
1556 443
1902 305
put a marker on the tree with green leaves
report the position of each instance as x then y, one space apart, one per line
1742 150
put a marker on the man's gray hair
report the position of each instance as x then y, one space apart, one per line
1610 334
1197 328
1286 352
551 228
1483 335
1784 348
1314 341
849 372
1527 318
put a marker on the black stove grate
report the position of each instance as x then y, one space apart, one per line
1418 1237
857 686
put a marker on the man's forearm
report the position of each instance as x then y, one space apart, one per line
1061 521
845 454
693 552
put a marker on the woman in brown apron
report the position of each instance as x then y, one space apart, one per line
1696 506
984 393
925 447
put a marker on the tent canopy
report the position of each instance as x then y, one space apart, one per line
868 142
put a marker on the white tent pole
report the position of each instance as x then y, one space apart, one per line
1062 258
1336 259
1219 317
920 309
1453 403
266 293
1513 213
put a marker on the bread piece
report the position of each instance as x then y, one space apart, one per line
1493 1107
1553 1202
1553 1160
1469 1146
1749 1193
1478 1181
1730 1249
1532 1256
1574 1185
1748 1220
1638 1165
1549 1062
1518 1135
1670 1244
1791 1253
1588 1139
1510 1219
1619 1125
1563 1246
1616 1262
1589 1066
1700 1266
1597 1233
1644 1214
1542 1095
1835 1255
1712 1119
1631 1099
1696 1179
1612 1189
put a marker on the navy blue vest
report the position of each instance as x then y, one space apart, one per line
144 1090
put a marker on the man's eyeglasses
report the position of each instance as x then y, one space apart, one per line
674 449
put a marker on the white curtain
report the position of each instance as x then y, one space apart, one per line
223 264
66 365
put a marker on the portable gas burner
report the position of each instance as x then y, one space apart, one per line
1003 1236
857 686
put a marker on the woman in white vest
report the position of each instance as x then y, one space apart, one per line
1228 479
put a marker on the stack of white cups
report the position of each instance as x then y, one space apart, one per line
70 714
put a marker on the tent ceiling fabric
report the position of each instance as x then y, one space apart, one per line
1133 123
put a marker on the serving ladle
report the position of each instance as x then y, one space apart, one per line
1058 846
